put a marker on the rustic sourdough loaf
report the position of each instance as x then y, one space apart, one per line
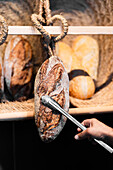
52 80
18 68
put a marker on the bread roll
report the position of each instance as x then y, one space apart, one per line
65 52
86 55
52 80
18 68
81 87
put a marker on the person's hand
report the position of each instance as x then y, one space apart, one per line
95 129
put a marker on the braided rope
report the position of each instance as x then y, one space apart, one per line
38 21
4 30
64 26
40 8
47 11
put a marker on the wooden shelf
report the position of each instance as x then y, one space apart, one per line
19 115
16 115
74 30
91 110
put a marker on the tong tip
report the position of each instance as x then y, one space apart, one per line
45 99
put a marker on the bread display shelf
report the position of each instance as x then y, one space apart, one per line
23 110
19 111
30 30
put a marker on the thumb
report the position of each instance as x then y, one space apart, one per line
84 134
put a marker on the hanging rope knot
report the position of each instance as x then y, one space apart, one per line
39 21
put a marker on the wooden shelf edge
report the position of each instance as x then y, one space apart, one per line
91 110
16 115
30 30
73 111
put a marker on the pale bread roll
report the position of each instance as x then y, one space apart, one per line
86 55
81 87
65 52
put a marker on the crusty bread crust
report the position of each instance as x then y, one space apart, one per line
18 68
52 80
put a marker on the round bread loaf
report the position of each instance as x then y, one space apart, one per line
81 87
52 80
65 52
86 55
18 68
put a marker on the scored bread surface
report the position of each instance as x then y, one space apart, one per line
52 80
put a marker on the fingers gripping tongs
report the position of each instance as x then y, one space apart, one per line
51 103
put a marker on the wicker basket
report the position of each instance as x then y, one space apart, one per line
90 13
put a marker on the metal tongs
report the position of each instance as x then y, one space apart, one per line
51 103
